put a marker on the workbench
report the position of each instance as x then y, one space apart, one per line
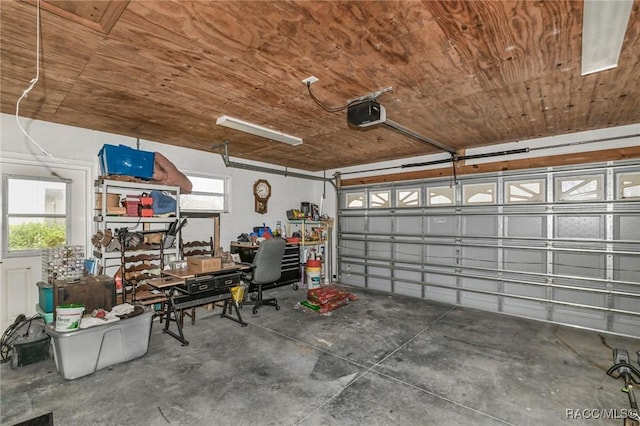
186 289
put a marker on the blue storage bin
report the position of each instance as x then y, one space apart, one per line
123 160
45 296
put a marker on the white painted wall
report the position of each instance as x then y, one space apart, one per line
78 148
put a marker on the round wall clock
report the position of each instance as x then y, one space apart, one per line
261 193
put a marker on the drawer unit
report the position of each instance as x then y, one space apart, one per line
209 282
290 264
193 300
291 256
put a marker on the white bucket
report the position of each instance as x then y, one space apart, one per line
68 316
313 277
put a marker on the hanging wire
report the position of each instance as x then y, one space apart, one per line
31 86
325 106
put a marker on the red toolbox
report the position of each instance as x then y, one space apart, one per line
146 206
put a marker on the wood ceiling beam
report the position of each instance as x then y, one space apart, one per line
97 15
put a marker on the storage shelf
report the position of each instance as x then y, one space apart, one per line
307 222
117 255
137 186
134 219
313 243
323 246
112 261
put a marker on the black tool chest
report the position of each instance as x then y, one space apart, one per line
290 262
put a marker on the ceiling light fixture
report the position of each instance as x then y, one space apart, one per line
604 24
254 129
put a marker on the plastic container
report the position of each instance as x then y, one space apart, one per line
85 351
313 277
123 160
131 203
45 296
48 316
314 263
68 316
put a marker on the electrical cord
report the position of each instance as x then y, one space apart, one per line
13 332
31 86
632 375
326 107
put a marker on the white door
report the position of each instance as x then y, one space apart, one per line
19 275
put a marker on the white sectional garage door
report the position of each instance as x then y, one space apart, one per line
559 245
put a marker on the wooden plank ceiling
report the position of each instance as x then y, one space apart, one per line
465 74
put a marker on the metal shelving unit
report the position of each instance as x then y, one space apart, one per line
132 259
315 235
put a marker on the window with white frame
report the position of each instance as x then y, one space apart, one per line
628 185
579 188
408 197
354 200
524 191
479 193
441 196
36 214
380 199
208 195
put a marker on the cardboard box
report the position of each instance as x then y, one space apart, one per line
116 211
200 264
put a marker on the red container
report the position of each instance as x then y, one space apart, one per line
146 209
132 203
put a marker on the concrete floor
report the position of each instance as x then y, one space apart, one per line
380 360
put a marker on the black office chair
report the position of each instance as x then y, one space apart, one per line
266 268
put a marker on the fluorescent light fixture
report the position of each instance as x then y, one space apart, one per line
604 23
254 129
